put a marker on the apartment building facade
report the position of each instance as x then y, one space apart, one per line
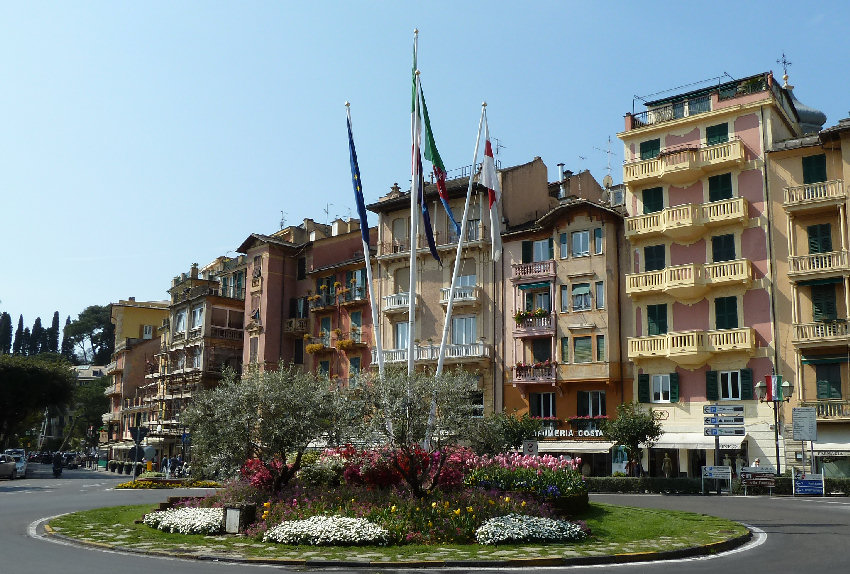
700 276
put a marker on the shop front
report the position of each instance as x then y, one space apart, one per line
831 451
682 454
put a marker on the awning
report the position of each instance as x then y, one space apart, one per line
828 281
540 285
695 440
824 360
832 449
570 446
581 289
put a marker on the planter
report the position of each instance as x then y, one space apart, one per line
127 468
570 504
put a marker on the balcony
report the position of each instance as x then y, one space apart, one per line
296 326
354 296
455 353
529 374
398 303
687 222
692 348
828 410
535 270
110 418
684 164
464 296
535 326
320 344
352 340
690 283
226 333
112 390
814 197
821 333
818 265
321 301
111 368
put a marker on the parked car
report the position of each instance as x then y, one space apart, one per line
8 467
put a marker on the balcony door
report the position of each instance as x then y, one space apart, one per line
829 381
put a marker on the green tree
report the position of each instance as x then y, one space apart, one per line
89 405
53 335
93 334
399 407
67 349
26 338
5 333
36 337
17 347
27 386
499 432
272 416
632 427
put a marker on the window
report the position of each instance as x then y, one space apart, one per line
590 403
829 381
298 308
147 332
582 351
477 401
650 149
823 303
600 294
324 368
730 385
356 320
653 258
723 248
653 200
565 349
466 280
720 187
325 330
401 334
726 312
814 169
581 243
581 296
196 358
355 282
225 287
180 321
597 241
717 134
473 222
600 348
565 249
463 330
302 268
538 300
197 316
820 238
660 388
565 298
253 349
298 351
542 404
239 282
235 319
541 250
400 234
541 350
353 371
656 318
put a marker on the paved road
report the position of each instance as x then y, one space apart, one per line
801 534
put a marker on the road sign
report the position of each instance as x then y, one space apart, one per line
722 410
724 420
530 447
809 484
804 422
138 433
725 431
721 472
758 476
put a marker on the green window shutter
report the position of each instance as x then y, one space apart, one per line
653 258
820 238
529 301
551 248
726 312
653 200
582 403
565 349
600 348
643 389
565 250
674 387
823 389
835 389
656 316
814 169
746 384
823 303
723 248
527 251
717 134
720 187
292 307
712 390
650 149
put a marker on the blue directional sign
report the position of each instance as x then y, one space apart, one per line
722 410
725 431
721 420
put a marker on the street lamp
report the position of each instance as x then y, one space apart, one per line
774 391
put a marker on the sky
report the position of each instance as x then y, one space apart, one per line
139 138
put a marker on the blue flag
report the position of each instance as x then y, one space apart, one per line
358 190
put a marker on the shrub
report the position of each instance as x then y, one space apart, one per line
643 484
328 531
546 477
515 528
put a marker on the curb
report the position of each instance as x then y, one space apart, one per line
691 552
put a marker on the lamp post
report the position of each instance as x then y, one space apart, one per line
774 391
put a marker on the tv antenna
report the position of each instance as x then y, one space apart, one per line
282 219
609 153
327 211
498 146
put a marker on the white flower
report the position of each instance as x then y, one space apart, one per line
521 528
187 520
327 531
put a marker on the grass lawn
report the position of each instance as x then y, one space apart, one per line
616 530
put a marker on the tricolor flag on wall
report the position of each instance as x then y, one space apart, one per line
490 180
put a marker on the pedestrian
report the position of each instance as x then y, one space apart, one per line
173 466
163 467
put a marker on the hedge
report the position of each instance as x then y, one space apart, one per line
834 486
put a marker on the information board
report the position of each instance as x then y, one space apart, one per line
721 472
805 423
758 476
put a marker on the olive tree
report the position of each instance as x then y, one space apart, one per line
632 427
272 416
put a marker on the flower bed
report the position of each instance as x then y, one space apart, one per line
515 528
328 531
187 520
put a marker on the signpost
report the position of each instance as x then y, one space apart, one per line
725 431
716 473
758 476
722 410
808 484
725 420
138 434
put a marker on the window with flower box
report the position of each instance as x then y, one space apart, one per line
542 405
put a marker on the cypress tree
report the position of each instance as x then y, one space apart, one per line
25 341
67 350
5 333
53 334
19 336
36 337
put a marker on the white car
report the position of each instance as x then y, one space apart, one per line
8 468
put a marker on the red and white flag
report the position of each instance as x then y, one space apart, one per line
490 180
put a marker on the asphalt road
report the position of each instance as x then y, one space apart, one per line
804 534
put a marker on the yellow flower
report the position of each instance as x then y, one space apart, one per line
430 524
446 504
393 508
469 509
491 502
507 499
457 511
267 504
433 505
417 509
523 503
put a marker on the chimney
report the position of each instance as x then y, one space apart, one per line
132 299
194 271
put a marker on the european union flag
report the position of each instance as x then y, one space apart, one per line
358 190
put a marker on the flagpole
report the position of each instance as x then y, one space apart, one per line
376 325
414 223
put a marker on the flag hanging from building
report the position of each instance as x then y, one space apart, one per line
490 180
358 190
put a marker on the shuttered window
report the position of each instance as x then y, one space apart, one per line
656 317
653 200
723 248
650 149
643 389
729 385
653 258
717 134
820 238
726 312
814 168
823 303
720 187
712 391
829 381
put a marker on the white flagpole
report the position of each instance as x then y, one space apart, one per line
376 325
414 227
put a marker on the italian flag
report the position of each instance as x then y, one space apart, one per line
490 180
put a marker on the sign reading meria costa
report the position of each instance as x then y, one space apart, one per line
569 433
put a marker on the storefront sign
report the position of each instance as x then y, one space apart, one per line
804 422
549 433
530 447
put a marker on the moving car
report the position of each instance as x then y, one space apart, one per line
21 464
8 467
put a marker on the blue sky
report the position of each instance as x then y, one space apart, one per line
136 139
